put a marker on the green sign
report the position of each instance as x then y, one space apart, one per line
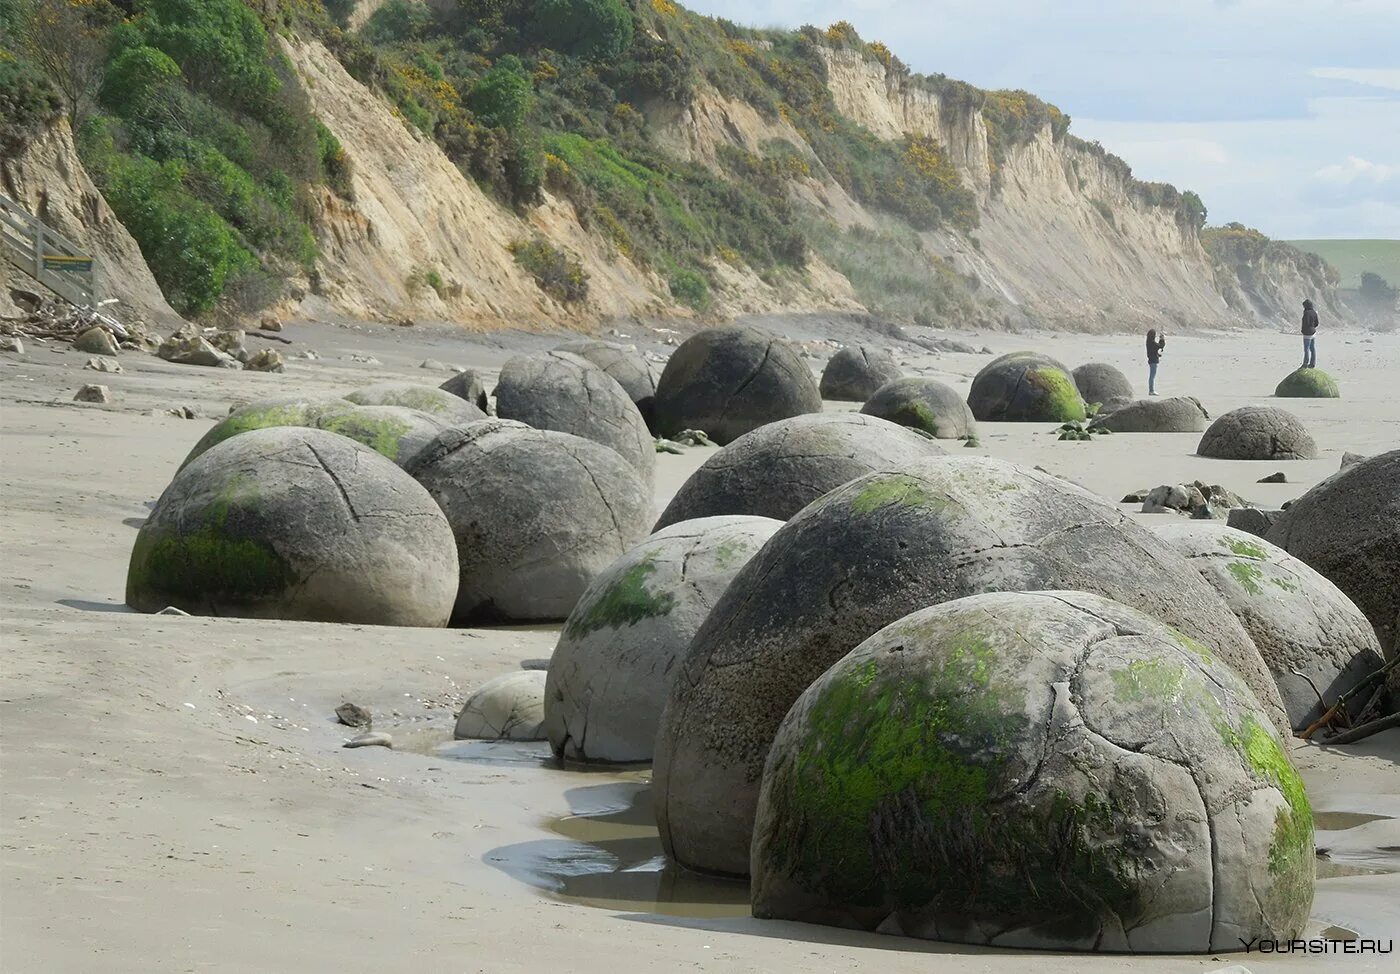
76 265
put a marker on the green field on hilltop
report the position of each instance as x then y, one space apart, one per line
1352 257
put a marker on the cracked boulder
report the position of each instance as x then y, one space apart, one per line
566 393
1100 382
1175 414
853 374
871 552
778 469
1257 433
426 399
612 669
467 385
628 367
730 380
1048 770
1300 622
507 708
923 404
1025 387
536 515
1348 528
291 523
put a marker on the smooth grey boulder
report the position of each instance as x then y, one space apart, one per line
612 669
507 708
1257 433
923 404
1100 382
628 367
468 385
1025 387
425 399
566 393
778 469
292 523
1252 520
1047 770
853 374
536 515
861 557
730 380
1175 414
1348 528
1299 621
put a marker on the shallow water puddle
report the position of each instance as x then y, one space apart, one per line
1339 821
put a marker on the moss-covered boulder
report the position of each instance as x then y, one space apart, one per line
628 367
1100 382
469 386
506 708
536 515
1257 433
1025 387
861 557
292 523
1035 770
1308 384
1174 414
780 468
853 374
425 399
923 404
1300 622
612 669
730 380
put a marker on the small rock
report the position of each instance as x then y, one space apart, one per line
668 446
266 360
102 364
362 359
171 610
1136 497
405 322
11 344
1274 478
1350 459
96 341
693 438
231 342
269 323
370 739
309 354
93 393
1252 520
188 347
434 365
353 715
973 443
1167 498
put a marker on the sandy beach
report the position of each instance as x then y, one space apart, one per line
173 791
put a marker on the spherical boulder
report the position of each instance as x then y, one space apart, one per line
1100 382
861 557
1308 384
292 523
923 404
425 399
730 380
1044 770
1300 622
628 367
778 469
1348 528
467 385
1174 414
566 393
264 414
1025 387
1257 433
612 669
536 515
509 707
853 374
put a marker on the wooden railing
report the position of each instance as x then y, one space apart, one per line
46 255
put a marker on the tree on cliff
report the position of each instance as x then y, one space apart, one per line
599 29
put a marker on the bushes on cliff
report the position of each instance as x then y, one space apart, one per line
600 29
558 274
27 102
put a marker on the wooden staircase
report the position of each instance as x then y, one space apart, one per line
46 255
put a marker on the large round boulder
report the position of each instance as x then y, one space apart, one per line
467 385
853 374
628 367
1348 528
509 707
1257 433
1308 384
1175 414
536 515
1308 632
859 558
1035 770
1025 387
778 469
1100 382
730 380
612 669
425 399
566 393
292 523
923 404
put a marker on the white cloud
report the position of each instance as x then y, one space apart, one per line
1355 181
1388 78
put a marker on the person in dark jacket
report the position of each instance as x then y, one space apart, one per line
1309 333
1154 355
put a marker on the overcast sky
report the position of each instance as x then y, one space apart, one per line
1282 114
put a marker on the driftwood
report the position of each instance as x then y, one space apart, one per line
1337 713
1365 730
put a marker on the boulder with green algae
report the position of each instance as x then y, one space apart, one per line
1035 770
1257 433
854 374
1100 382
923 404
612 669
861 557
292 523
780 468
427 399
1300 622
1308 384
1025 387
628 367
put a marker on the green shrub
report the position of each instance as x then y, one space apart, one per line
595 29
335 163
559 275
1105 211
28 102
691 288
503 96
138 81
220 46
398 20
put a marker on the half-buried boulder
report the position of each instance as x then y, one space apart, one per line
507 708
1025 387
1175 414
778 469
1257 433
425 399
728 381
536 514
467 385
628 367
611 672
1300 622
923 404
865 555
1308 384
291 523
853 374
1100 382
1035 770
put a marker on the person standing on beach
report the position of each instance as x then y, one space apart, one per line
1154 355
1309 333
